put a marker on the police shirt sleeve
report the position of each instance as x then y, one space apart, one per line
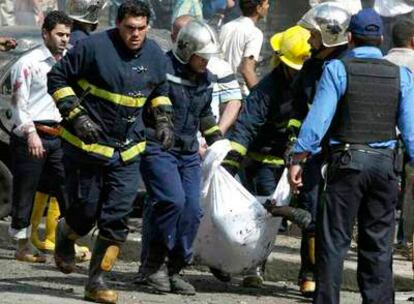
406 113
330 89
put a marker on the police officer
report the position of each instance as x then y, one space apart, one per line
100 88
85 16
360 100
173 177
327 23
264 129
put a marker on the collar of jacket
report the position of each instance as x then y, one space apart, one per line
181 71
116 37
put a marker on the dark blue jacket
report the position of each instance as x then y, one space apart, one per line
192 106
265 124
113 85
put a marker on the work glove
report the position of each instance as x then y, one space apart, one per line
232 162
86 129
164 130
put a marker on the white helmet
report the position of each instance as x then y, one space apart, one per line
352 6
331 20
195 38
86 11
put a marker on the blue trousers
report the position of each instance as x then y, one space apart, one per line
262 179
172 212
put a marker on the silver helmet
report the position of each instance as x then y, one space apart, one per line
195 38
331 20
352 6
86 11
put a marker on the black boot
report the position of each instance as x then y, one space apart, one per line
155 270
178 284
103 258
65 247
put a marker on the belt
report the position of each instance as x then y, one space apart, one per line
361 148
48 131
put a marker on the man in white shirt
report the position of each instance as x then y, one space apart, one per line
35 145
241 41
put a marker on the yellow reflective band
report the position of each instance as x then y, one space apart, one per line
92 148
133 151
242 150
111 254
311 250
160 101
211 130
266 159
62 93
74 113
294 123
231 163
123 100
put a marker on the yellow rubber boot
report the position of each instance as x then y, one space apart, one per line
52 218
39 205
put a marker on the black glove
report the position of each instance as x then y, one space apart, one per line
232 162
86 129
287 155
164 130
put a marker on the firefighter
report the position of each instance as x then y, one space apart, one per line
327 23
264 129
85 16
173 177
360 99
101 87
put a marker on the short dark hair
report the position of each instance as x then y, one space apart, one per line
135 8
374 41
403 32
248 7
54 18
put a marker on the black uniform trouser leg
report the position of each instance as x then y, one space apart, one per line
27 172
364 188
309 199
101 194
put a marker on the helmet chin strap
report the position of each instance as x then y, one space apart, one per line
315 53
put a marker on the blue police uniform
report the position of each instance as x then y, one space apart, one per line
263 131
304 87
360 180
102 78
173 177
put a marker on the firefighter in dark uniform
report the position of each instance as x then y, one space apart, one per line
264 129
85 16
360 99
173 177
101 87
327 23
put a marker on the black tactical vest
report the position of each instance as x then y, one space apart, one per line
368 111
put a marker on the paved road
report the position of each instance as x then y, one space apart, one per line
42 284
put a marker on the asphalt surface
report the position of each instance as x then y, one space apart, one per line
43 284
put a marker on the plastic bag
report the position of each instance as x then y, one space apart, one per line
282 194
236 232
